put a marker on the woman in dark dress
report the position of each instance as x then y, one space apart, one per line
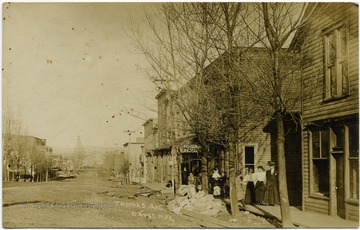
260 185
222 181
271 192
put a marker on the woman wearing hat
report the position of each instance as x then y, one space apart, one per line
272 192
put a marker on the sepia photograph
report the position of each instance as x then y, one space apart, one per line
180 115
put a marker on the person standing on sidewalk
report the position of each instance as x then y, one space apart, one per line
260 180
250 188
222 181
271 192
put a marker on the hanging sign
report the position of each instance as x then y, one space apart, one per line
189 148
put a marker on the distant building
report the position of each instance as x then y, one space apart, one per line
134 152
25 157
150 144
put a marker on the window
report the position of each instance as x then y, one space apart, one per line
336 63
250 157
354 161
320 153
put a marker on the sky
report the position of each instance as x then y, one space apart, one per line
70 69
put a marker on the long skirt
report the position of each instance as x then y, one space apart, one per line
259 191
250 193
271 195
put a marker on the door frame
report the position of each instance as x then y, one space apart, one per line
335 153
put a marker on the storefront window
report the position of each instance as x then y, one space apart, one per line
320 171
325 143
316 144
321 176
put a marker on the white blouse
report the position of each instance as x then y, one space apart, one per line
260 176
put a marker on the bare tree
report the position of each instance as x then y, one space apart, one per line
117 164
193 36
15 146
277 87
22 152
179 51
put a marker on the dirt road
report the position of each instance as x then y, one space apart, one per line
91 201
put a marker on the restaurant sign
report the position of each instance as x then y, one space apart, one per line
189 148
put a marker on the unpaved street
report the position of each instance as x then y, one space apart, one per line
92 201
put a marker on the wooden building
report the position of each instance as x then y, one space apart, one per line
331 110
134 152
150 144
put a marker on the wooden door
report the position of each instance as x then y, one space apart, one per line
340 190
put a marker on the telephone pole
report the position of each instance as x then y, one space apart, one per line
128 152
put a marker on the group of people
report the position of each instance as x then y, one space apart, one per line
219 184
259 187
195 181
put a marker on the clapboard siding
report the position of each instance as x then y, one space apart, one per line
314 105
332 112
305 164
316 209
315 108
317 205
352 212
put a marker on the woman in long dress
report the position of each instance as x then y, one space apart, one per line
260 181
272 191
250 188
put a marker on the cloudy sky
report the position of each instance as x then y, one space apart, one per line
70 70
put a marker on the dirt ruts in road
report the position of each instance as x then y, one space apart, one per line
82 202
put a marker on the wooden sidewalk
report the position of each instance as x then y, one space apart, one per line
302 218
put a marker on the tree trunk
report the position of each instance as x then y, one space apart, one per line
17 171
284 198
31 173
5 167
7 173
204 174
174 169
232 174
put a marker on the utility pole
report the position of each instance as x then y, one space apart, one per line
129 152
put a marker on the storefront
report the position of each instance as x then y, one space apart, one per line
333 153
190 161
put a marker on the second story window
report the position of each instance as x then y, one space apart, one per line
336 63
